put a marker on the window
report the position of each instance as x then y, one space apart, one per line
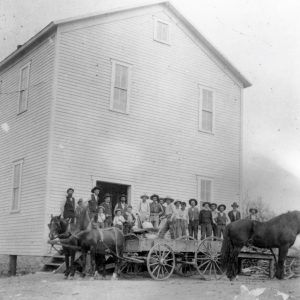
205 189
120 90
16 193
206 110
23 88
162 31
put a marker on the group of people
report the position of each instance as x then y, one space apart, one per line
163 214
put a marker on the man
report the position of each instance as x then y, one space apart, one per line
221 220
93 202
253 214
183 220
205 221
144 209
130 220
156 211
69 206
122 205
176 218
193 213
169 224
107 210
234 214
79 209
214 213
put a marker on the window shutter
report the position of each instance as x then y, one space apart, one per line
24 84
17 173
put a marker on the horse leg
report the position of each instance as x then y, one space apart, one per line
72 266
67 272
103 263
84 253
283 250
233 264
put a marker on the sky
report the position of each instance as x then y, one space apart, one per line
260 37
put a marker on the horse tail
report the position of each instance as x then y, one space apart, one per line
226 250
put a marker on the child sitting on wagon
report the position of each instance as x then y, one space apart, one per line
101 217
118 219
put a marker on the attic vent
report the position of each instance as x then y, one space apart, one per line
162 31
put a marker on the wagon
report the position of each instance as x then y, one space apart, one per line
162 257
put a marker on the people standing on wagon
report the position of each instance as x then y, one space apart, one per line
214 213
234 214
156 211
119 219
183 220
122 204
93 202
221 220
176 218
169 224
101 217
253 214
129 220
69 206
144 209
193 213
205 221
107 210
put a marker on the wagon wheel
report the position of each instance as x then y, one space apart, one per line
160 261
130 268
186 266
185 237
289 269
208 259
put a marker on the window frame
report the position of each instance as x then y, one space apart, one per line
113 77
199 179
15 163
200 109
155 38
20 86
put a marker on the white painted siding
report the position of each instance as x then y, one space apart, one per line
22 233
157 147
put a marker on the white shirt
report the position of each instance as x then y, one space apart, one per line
144 207
119 220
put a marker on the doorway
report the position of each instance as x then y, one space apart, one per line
115 190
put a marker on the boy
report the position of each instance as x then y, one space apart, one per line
129 220
176 219
221 220
119 219
205 221
214 213
183 220
101 217
193 213
107 211
69 207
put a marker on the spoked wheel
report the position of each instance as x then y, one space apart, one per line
130 268
160 261
186 267
208 259
289 271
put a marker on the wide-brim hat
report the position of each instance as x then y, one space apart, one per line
196 202
177 201
70 189
107 195
213 204
144 196
95 188
123 196
168 198
183 203
153 196
118 209
253 209
204 203
222 205
234 204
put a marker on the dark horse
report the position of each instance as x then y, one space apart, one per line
279 232
66 233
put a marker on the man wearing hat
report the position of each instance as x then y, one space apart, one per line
144 209
205 221
121 204
234 214
193 213
156 211
69 206
176 218
253 214
107 210
214 213
169 224
183 220
221 220
129 220
93 202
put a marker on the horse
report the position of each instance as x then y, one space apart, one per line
279 232
66 232
101 242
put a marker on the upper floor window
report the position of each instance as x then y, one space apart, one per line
205 189
120 87
206 110
23 88
162 31
16 189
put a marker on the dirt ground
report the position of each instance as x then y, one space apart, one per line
52 286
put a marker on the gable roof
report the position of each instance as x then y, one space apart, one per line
51 27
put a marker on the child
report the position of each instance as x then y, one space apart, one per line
221 220
129 220
176 219
183 220
119 219
101 217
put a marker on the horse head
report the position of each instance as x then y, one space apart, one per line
57 226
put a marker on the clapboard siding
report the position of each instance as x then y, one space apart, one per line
28 137
156 147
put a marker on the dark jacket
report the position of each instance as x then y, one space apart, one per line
69 208
93 204
193 215
119 206
221 220
205 217
107 209
232 217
